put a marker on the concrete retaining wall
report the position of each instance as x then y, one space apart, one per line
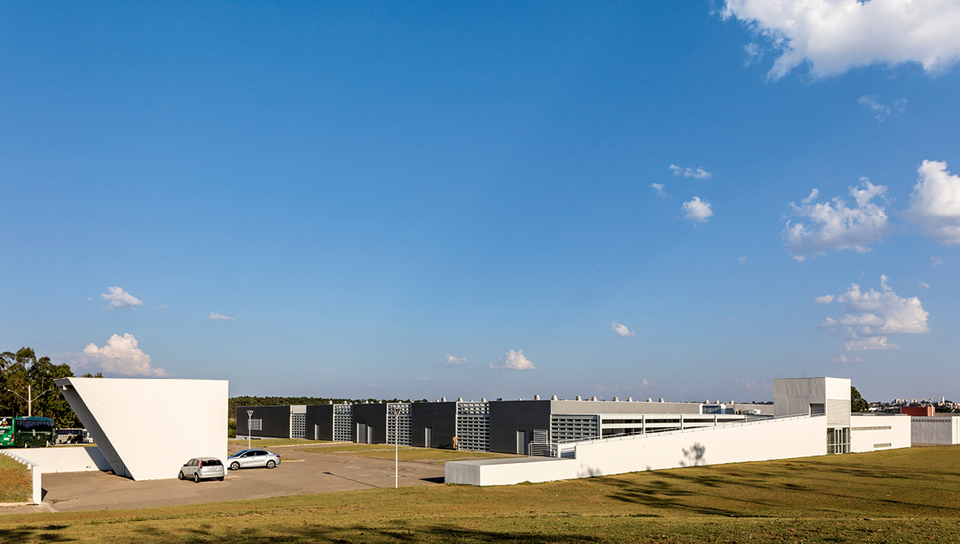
63 458
760 441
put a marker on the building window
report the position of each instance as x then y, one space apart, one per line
838 440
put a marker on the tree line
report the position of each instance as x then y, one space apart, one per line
23 368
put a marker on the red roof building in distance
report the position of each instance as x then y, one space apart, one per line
917 410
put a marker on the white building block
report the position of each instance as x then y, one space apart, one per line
148 428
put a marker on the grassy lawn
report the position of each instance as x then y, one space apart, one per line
274 442
15 482
896 496
406 453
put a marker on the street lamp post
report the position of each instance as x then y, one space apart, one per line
396 446
29 398
249 415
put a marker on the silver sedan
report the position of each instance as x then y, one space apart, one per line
253 458
202 468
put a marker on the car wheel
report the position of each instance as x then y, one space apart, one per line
220 478
234 466
196 477
180 476
271 464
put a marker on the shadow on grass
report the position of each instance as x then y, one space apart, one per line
822 486
355 533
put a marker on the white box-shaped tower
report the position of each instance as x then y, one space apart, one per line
147 429
813 396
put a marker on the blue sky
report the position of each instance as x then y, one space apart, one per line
485 199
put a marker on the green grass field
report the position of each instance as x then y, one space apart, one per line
908 495
15 482
405 453
274 442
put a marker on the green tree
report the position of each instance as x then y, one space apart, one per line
857 404
14 378
23 368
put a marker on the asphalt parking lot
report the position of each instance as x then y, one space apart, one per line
303 470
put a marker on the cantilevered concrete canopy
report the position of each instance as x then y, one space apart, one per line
147 429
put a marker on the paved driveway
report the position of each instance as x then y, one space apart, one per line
299 473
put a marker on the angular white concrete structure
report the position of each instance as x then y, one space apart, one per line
147 429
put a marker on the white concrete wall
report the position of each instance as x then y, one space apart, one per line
793 396
62 458
147 429
871 433
510 471
735 443
935 430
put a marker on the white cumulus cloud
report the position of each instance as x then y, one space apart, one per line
833 36
935 203
120 355
874 315
880 110
216 315
118 298
658 188
833 225
514 360
690 172
621 329
826 299
451 360
697 210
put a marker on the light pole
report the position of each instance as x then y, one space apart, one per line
249 415
396 446
29 398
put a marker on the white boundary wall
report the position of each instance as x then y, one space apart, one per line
62 458
735 443
874 433
147 429
935 430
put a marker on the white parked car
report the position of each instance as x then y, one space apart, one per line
253 458
202 468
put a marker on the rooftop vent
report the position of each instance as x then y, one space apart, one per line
443 399
629 399
536 397
616 399
459 399
649 399
593 398
484 399
553 397
579 397
661 399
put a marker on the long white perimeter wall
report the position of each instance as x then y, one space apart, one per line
757 441
874 433
935 430
147 429
62 458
